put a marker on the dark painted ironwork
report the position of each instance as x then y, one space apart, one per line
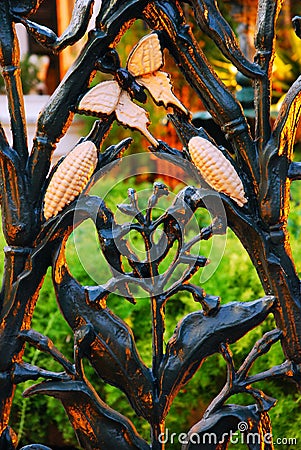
263 163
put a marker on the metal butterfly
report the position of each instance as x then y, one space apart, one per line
142 71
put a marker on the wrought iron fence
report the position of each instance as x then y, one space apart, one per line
250 181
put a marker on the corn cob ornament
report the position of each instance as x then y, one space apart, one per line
216 170
70 178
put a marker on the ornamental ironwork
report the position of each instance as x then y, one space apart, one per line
244 185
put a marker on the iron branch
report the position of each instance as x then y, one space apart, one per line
10 70
268 11
211 21
238 381
44 344
288 118
81 15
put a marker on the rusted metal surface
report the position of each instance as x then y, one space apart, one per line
253 187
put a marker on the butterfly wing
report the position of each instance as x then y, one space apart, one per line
159 86
146 57
132 115
103 98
